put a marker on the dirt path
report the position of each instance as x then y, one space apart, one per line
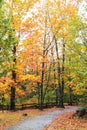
39 122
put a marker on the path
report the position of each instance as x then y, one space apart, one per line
39 122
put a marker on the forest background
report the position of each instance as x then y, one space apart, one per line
43 52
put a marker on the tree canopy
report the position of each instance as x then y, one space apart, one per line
43 51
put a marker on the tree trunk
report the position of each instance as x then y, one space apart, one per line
70 96
12 98
63 68
43 67
70 89
59 101
41 88
54 77
48 79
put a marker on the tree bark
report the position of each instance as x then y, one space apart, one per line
58 101
54 76
63 68
60 89
70 96
41 88
12 98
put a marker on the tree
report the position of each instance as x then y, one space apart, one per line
37 41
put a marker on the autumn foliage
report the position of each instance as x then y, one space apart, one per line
43 50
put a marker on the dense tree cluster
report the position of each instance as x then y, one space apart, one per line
43 51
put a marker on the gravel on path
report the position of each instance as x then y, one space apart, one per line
39 122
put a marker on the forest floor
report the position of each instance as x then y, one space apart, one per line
67 121
41 121
8 118
64 120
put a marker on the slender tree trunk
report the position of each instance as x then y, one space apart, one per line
12 98
48 79
54 76
63 68
60 76
70 89
43 66
38 89
42 75
70 96
58 101
41 87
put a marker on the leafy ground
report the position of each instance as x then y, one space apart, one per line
8 118
62 122
68 122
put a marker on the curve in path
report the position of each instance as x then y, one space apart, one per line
39 122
